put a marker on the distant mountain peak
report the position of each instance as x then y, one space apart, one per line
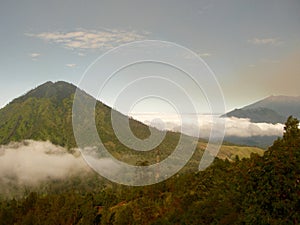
272 109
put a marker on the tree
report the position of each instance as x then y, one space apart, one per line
291 130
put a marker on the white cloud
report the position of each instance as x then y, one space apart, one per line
206 54
244 128
265 41
34 55
89 39
71 65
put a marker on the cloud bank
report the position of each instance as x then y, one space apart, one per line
238 127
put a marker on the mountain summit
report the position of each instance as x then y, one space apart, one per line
55 91
43 113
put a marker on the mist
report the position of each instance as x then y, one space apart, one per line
245 128
31 162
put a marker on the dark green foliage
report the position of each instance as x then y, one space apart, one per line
259 190
273 185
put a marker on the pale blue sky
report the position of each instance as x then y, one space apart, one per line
252 46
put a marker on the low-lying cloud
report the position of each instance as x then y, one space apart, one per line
30 162
245 128
238 127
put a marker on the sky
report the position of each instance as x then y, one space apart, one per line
252 47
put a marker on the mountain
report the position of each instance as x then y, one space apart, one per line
273 109
45 113
257 115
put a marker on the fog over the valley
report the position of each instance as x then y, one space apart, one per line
30 162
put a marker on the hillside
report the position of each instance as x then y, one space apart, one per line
273 109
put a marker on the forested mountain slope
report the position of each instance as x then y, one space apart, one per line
260 190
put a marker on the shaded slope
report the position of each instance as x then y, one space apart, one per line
273 109
283 105
257 115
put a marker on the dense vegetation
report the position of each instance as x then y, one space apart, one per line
259 190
